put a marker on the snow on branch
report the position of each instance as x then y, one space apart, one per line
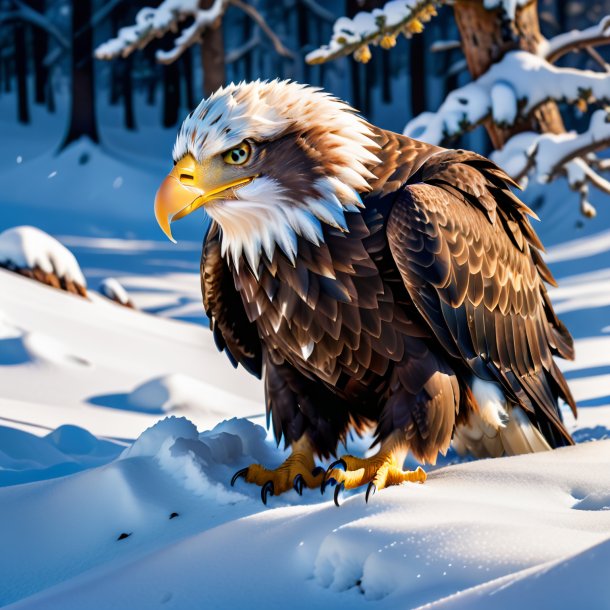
154 23
575 40
378 27
510 89
547 156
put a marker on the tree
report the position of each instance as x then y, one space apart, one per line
82 113
194 22
516 85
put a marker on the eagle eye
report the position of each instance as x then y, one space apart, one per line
238 155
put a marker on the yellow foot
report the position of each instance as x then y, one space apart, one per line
297 472
379 471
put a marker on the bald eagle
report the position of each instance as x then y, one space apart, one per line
371 280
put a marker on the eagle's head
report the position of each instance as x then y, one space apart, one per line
268 161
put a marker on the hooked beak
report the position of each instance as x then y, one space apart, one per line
184 191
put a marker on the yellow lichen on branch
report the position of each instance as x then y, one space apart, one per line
380 27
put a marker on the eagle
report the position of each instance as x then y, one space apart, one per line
373 281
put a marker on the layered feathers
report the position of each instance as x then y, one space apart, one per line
370 277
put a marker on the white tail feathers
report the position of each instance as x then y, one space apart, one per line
499 428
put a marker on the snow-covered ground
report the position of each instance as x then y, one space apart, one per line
120 429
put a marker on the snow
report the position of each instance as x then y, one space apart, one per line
503 103
153 23
111 288
29 247
87 357
530 79
120 431
474 530
178 392
553 48
365 27
508 6
548 153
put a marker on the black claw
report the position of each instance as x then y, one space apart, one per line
340 462
266 490
326 482
371 490
317 471
298 484
240 473
338 491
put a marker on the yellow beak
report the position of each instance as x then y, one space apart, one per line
185 190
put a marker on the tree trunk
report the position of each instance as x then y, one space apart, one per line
419 78
187 73
40 40
487 35
127 78
171 94
386 77
247 57
21 62
303 35
82 113
212 55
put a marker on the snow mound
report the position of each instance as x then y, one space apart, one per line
178 391
19 347
29 247
112 289
25 457
202 464
149 443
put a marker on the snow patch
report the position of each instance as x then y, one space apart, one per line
508 6
150 442
113 290
179 391
28 247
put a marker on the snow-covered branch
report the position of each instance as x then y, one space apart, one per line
378 27
154 23
546 156
575 40
509 90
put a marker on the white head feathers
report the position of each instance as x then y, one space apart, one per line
264 214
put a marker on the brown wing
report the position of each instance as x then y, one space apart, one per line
233 332
471 263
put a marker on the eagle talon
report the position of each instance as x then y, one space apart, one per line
371 490
340 462
338 491
240 473
298 484
266 489
332 482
